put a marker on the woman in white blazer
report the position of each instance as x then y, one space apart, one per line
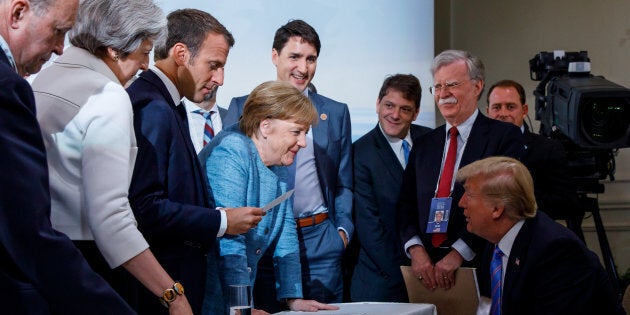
87 123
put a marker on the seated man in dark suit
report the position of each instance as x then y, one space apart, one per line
41 272
545 158
532 264
429 182
380 157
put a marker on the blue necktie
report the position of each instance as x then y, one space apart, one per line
496 273
208 131
405 147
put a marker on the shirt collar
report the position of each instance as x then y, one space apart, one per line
465 127
7 51
396 140
507 241
170 87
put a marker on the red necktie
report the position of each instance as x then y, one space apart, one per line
444 188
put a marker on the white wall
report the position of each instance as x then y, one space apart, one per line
362 43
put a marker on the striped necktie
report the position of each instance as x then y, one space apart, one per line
208 131
496 274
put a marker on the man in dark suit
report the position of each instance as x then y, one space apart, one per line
428 183
545 158
380 158
322 202
532 264
168 192
41 272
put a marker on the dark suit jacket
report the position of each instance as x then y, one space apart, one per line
333 154
41 271
550 271
547 162
488 137
377 181
168 192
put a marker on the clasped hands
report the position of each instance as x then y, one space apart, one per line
440 275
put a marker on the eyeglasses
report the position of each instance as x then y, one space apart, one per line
436 89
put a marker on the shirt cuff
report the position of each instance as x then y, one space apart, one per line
223 226
411 242
347 235
462 248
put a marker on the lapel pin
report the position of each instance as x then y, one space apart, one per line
323 116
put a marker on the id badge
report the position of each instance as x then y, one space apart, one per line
439 214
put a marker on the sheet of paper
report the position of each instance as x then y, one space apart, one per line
278 200
463 298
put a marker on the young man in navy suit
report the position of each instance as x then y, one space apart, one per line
532 264
169 193
429 184
322 202
380 158
41 272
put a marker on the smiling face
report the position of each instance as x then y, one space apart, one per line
203 73
458 102
504 103
280 141
127 67
33 38
396 113
295 62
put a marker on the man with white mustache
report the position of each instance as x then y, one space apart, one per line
429 185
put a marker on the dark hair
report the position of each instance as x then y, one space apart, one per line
508 83
190 27
297 28
407 84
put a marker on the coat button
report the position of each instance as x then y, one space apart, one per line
266 230
249 269
258 251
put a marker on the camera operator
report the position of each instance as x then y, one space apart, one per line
545 158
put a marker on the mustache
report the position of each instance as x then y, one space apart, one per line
450 100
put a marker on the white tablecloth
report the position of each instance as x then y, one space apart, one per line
375 308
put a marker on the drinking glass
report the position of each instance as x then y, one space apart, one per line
240 299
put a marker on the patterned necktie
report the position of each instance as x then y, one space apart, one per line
405 148
496 273
444 187
208 131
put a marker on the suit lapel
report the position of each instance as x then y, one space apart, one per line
517 259
320 130
386 155
476 143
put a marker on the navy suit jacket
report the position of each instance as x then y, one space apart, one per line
377 181
488 137
168 192
555 192
41 271
550 271
333 154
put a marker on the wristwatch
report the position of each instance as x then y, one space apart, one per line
169 295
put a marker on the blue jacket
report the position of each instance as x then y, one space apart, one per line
238 177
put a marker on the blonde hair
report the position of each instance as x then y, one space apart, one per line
276 100
505 180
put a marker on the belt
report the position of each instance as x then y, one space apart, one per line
312 220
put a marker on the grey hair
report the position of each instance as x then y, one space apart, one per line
40 7
119 24
476 69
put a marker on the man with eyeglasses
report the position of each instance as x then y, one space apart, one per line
545 158
428 183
